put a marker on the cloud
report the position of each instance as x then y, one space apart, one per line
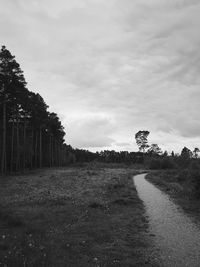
130 65
122 144
92 131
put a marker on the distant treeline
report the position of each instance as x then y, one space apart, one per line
153 158
107 156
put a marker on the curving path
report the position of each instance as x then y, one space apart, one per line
176 237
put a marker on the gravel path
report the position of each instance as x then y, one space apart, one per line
176 237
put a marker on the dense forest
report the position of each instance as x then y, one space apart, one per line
30 135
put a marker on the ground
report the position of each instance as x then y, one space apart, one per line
83 216
173 183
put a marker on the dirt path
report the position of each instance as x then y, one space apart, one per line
176 236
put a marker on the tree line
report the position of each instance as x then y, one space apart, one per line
154 158
141 138
30 135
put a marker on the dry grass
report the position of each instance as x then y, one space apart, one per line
72 217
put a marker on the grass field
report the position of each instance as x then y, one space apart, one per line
73 217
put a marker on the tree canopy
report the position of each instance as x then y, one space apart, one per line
141 140
154 149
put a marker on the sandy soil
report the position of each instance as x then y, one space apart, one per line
73 217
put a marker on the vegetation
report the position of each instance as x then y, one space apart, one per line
86 215
141 140
30 135
154 149
73 217
182 184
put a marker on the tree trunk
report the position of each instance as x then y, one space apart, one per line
18 146
59 155
36 141
56 153
3 158
12 147
50 152
32 148
40 156
24 147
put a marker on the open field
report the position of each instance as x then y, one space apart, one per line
180 189
73 217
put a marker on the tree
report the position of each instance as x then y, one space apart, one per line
165 154
30 136
186 153
154 149
141 140
10 73
196 151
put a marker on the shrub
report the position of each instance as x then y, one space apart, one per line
155 164
162 163
194 177
182 175
167 163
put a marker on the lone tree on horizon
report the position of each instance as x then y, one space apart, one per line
141 140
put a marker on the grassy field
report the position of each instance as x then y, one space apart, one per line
73 217
174 183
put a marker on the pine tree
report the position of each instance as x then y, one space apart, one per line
10 74
30 136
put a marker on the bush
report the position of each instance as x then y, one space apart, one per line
182 162
155 164
194 177
162 163
182 175
167 163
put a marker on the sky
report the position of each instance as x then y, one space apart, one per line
110 68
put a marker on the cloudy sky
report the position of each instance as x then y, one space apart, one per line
112 67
